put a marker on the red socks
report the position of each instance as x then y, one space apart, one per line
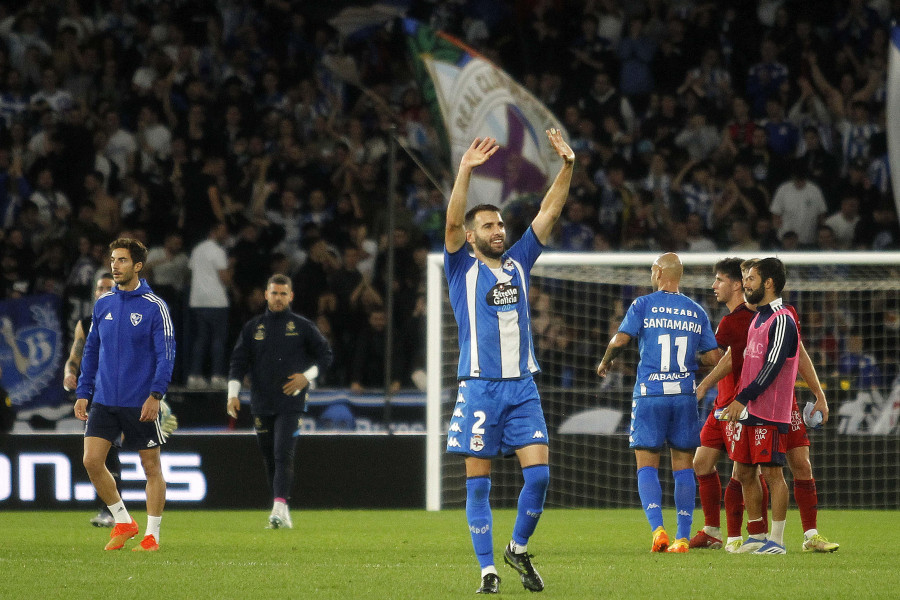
710 498
807 502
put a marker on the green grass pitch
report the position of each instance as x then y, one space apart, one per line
419 555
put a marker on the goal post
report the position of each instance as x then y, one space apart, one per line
849 307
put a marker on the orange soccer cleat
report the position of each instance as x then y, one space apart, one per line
148 544
121 533
660 540
681 545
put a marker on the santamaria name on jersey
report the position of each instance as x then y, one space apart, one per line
673 324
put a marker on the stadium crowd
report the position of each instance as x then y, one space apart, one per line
204 128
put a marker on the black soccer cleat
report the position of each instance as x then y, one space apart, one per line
490 584
531 579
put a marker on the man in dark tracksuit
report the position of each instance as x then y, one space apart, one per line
283 352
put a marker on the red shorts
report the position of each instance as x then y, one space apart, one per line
755 444
797 435
713 433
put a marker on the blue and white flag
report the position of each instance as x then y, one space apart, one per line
31 351
471 97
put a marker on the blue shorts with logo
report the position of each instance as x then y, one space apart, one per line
656 420
110 422
493 418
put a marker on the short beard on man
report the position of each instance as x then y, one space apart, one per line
755 296
484 246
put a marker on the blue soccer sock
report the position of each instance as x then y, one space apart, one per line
651 495
685 492
531 502
478 514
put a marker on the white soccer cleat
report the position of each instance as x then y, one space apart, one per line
770 547
750 545
732 545
280 517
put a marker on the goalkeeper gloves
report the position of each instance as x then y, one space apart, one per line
168 422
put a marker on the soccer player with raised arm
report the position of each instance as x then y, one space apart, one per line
671 330
126 368
732 336
498 409
761 411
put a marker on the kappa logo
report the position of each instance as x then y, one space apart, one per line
136 318
462 384
455 427
458 413
538 435
152 444
684 513
476 444
453 443
652 505
108 317
460 399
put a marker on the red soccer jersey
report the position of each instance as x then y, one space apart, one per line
732 332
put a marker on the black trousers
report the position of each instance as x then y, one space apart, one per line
275 435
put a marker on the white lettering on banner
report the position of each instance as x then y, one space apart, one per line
62 474
184 477
5 478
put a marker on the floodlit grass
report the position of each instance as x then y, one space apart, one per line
418 555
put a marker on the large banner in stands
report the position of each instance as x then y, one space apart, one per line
471 97
31 350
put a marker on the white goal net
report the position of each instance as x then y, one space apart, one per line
849 307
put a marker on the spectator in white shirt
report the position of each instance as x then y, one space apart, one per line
208 308
843 222
799 206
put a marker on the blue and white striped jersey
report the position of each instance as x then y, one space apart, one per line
492 314
671 330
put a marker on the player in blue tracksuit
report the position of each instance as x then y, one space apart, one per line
127 364
498 409
671 330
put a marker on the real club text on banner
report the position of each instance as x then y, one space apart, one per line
470 97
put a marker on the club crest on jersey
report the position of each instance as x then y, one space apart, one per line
476 444
136 318
291 329
503 295
509 265
260 333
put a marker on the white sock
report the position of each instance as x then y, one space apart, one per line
809 533
153 526
489 569
715 532
516 548
119 512
777 533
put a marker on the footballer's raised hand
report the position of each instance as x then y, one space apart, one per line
560 145
478 152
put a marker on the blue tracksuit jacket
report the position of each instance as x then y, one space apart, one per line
130 348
